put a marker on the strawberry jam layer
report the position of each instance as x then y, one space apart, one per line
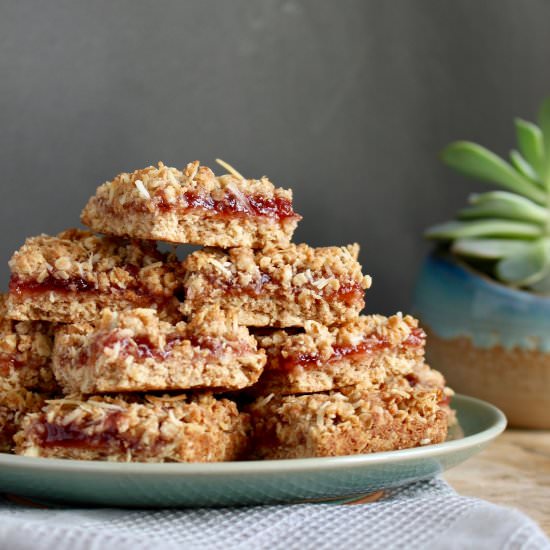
372 344
230 206
348 293
71 435
72 284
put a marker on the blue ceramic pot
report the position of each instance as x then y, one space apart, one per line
489 340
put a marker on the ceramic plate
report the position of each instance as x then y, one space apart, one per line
253 482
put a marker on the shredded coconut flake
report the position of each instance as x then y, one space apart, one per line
320 283
142 190
230 169
321 413
84 404
220 266
73 415
265 400
241 198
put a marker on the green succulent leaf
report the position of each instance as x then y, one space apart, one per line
478 162
502 204
528 266
531 144
489 249
483 228
544 124
523 167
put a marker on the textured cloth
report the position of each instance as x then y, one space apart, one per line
422 515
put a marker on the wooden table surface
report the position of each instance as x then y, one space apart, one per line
513 471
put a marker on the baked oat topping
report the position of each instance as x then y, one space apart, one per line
80 260
364 352
319 345
52 275
396 415
193 428
136 351
278 287
193 206
165 188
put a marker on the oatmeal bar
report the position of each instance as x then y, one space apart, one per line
197 428
15 402
277 287
351 420
25 352
72 277
135 351
364 352
193 206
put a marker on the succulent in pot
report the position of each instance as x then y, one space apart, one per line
484 294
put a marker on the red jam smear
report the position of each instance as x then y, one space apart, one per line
78 284
73 284
51 434
230 206
371 344
349 293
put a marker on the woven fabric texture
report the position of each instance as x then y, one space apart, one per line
426 514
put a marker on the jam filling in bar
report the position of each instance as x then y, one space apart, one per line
194 206
136 351
72 277
197 428
277 287
363 352
397 415
25 352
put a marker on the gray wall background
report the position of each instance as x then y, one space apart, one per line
347 102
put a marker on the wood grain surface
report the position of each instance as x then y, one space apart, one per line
513 471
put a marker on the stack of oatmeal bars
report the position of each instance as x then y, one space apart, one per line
251 347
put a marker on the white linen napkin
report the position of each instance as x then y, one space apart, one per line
428 514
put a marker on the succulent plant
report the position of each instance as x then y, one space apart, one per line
505 233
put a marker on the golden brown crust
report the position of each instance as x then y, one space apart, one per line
277 287
25 352
362 352
351 420
166 204
71 277
196 428
136 351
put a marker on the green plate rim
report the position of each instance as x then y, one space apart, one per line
294 465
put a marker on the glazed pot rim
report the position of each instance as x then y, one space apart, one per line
450 259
